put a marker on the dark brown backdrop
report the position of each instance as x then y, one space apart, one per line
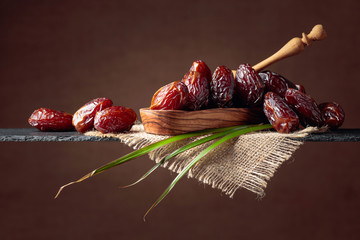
60 54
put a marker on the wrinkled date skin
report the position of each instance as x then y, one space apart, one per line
280 115
83 119
305 107
173 96
201 67
276 83
222 87
114 119
46 119
199 89
248 86
333 114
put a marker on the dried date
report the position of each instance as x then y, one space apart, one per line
83 119
46 119
276 83
199 89
173 96
305 107
201 67
222 87
333 114
248 86
279 114
114 119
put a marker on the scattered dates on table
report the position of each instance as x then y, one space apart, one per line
114 119
46 119
83 119
286 104
98 113
333 114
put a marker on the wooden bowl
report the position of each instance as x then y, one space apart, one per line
173 122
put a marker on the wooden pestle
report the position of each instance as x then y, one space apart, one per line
293 47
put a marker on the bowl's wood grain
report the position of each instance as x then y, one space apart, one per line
173 122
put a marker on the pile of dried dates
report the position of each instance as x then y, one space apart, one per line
286 105
99 113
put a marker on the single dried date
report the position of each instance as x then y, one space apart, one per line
199 89
173 96
305 107
114 119
201 67
222 87
46 119
249 86
83 119
333 114
276 83
280 115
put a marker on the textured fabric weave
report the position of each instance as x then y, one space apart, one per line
248 161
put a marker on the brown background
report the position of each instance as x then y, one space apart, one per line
61 54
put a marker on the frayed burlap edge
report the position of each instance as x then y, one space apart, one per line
248 161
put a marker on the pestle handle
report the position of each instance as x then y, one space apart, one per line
293 47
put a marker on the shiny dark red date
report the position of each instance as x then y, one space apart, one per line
114 119
305 106
199 89
333 114
201 67
276 83
248 86
46 119
222 87
173 96
83 119
280 115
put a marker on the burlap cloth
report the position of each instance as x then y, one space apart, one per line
248 161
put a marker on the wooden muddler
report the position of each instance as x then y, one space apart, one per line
293 47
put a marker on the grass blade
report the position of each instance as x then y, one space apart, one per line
143 151
184 148
202 154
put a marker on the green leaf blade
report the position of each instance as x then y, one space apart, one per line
184 148
141 152
202 154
